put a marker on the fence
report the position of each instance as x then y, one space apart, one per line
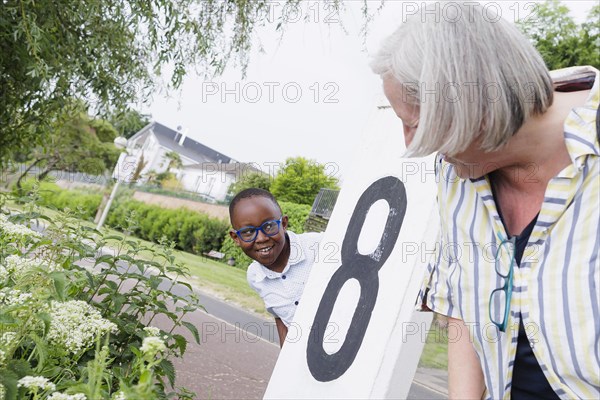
321 210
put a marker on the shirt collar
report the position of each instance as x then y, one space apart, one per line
579 127
296 256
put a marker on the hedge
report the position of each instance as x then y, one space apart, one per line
191 231
82 203
297 216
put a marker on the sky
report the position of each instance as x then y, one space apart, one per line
309 94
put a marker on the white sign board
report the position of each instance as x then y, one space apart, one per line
126 166
355 333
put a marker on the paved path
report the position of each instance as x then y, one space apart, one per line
237 354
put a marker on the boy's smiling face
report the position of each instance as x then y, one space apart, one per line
270 251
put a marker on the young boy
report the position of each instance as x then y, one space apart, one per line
282 259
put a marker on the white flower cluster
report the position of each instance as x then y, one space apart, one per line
152 345
119 396
6 340
4 273
35 383
13 297
75 325
17 266
152 331
15 230
64 396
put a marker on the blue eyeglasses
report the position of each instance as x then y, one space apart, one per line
502 296
269 228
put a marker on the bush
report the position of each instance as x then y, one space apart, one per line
180 194
73 330
297 215
190 231
83 204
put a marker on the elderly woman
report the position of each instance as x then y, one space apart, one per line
518 193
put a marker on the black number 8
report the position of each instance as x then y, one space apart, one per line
365 269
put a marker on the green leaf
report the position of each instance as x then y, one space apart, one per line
192 328
187 285
135 351
180 342
118 301
20 367
126 258
113 237
105 290
7 319
145 377
41 349
46 319
106 258
60 282
168 369
111 284
90 278
9 379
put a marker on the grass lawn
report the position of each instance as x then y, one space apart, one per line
435 352
230 284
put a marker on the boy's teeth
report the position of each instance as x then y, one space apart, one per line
265 250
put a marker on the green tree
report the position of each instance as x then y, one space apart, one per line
561 42
73 146
251 180
137 174
105 132
590 39
174 160
112 52
300 180
165 180
129 122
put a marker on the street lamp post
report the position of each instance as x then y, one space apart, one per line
120 143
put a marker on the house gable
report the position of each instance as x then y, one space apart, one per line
204 170
191 149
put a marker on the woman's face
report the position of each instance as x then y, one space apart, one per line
473 162
405 110
470 163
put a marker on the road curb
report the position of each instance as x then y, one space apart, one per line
433 379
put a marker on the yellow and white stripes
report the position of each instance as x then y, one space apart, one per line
556 289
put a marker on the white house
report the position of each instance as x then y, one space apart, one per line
204 170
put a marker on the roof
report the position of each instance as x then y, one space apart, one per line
192 149
235 168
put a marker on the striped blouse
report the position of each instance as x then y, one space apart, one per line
556 291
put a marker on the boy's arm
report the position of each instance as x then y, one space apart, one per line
281 330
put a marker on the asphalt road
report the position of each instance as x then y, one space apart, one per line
238 351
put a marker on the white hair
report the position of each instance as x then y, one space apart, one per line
472 76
